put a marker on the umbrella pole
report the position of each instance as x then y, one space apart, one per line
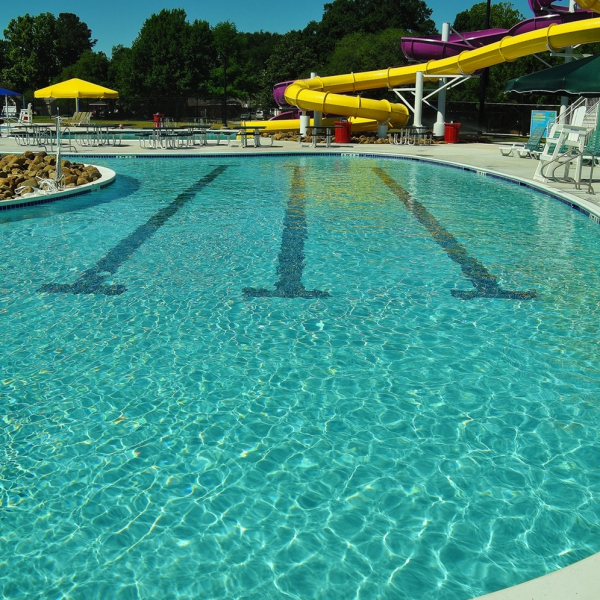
58 170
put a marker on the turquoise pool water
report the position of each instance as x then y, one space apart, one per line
312 377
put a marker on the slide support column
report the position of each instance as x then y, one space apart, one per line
419 99
439 127
304 122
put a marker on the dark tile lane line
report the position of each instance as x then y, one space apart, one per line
291 257
484 282
92 280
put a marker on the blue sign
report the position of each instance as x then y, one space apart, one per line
541 117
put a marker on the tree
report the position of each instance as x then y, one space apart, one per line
226 47
39 47
120 71
201 49
229 77
30 56
91 66
291 59
170 56
256 49
367 52
120 78
343 17
503 15
3 53
73 38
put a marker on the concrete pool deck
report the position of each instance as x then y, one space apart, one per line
581 580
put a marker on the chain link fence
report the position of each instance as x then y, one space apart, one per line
499 118
142 109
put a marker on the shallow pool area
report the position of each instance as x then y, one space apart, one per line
296 377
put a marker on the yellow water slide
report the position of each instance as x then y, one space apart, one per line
590 5
325 94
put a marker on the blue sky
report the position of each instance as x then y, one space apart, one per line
118 21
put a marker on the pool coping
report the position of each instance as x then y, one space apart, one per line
579 579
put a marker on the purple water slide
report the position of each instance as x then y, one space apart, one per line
544 7
278 91
423 49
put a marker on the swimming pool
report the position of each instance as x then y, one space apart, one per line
316 377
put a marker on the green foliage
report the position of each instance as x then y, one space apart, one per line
39 47
367 52
29 61
120 78
91 66
588 49
3 53
200 50
73 38
343 17
227 41
170 56
291 59
258 47
230 75
503 15
120 71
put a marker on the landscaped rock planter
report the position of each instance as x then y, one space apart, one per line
23 173
369 138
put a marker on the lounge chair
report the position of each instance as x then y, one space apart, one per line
533 144
78 118
71 120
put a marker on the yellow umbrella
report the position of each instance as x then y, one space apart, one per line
76 88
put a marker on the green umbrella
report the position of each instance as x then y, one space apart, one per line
579 77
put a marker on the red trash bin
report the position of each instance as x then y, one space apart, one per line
451 133
158 119
343 133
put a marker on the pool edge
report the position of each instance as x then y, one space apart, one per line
108 178
579 580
